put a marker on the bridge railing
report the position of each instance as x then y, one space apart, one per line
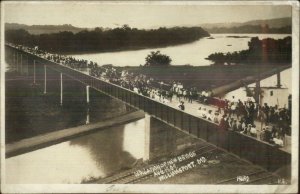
252 149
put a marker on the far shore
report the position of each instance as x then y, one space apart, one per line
130 48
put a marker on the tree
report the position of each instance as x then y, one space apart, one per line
157 59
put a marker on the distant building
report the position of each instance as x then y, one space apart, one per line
274 90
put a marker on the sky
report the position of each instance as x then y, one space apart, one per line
136 14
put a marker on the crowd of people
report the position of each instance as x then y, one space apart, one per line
229 115
243 117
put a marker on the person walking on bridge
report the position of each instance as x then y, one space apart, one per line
181 106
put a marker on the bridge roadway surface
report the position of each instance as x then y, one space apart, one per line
220 167
45 140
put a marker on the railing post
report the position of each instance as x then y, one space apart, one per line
61 89
45 82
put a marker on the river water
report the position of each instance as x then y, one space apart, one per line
192 53
97 155
81 159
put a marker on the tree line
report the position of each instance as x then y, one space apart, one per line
265 51
99 40
250 29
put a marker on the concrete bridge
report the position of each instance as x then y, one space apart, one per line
258 152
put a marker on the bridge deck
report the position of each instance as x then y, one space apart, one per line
41 141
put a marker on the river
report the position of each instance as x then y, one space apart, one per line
97 155
81 159
192 53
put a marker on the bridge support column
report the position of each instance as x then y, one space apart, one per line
17 63
21 69
88 95
34 72
61 89
278 79
160 138
88 105
27 67
45 81
14 59
87 116
147 137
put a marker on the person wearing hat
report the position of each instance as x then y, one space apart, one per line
215 117
209 115
224 123
262 134
181 106
234 126
268 134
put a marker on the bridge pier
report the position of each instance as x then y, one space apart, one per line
87 116
27 67
88 95
61 89
34 72
14 59
88 104
21 69
17 63
45 81
160 138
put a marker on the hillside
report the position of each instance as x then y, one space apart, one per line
43 29
271 26
272 23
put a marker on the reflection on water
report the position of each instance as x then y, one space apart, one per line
192 53
100 154
92 156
